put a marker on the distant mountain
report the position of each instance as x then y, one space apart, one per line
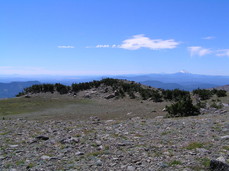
181 80
182 86
8 90
180 77
158 84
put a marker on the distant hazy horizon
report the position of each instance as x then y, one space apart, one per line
101 75
115 37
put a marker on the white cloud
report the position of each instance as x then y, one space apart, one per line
209 38
199 51
222 52
140 41
66 47
102 46
106 46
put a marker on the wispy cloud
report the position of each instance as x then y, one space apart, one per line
209 38
102 46
199 51
222 52
66 47
141 41
107 46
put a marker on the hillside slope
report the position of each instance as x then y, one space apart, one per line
8 90
226 87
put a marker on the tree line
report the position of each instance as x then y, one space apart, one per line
182 104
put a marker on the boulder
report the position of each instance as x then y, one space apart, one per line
216 165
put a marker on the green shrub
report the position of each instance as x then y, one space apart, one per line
174 95
221 93
216 105
203 93
182 108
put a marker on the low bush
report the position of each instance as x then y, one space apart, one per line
182 108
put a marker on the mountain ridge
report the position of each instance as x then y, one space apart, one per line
8 90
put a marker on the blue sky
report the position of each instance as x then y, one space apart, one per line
102 37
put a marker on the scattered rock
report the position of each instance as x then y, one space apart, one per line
159 117
98 143
13 146
99 163
41 137
130 168
133 144
202 150
2 157
109 96
44 157
164 110
216 165
69 140
79 153
221 159
226 137
94 119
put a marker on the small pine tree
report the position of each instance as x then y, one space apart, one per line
182 108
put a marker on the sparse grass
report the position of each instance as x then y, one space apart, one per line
175 162
119 136
53 106
96 153
194 145
204 164
21 105
166 132
226 148
20 162
4 133
30 165
106 148
217 127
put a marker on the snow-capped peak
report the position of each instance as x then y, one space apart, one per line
184 71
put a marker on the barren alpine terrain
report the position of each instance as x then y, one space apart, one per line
131 144
97 131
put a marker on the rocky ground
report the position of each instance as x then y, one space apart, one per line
133 144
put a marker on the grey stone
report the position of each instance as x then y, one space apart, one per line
99 163
79 153
2 157
130 168
42 137
13 146
221 159
226 137
44 157
218 166
98 143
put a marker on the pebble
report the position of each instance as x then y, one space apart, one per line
81 145
130 168
221 159
99 163
44 157
79 153
98 143
226 137
13 146
2 157
41 137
